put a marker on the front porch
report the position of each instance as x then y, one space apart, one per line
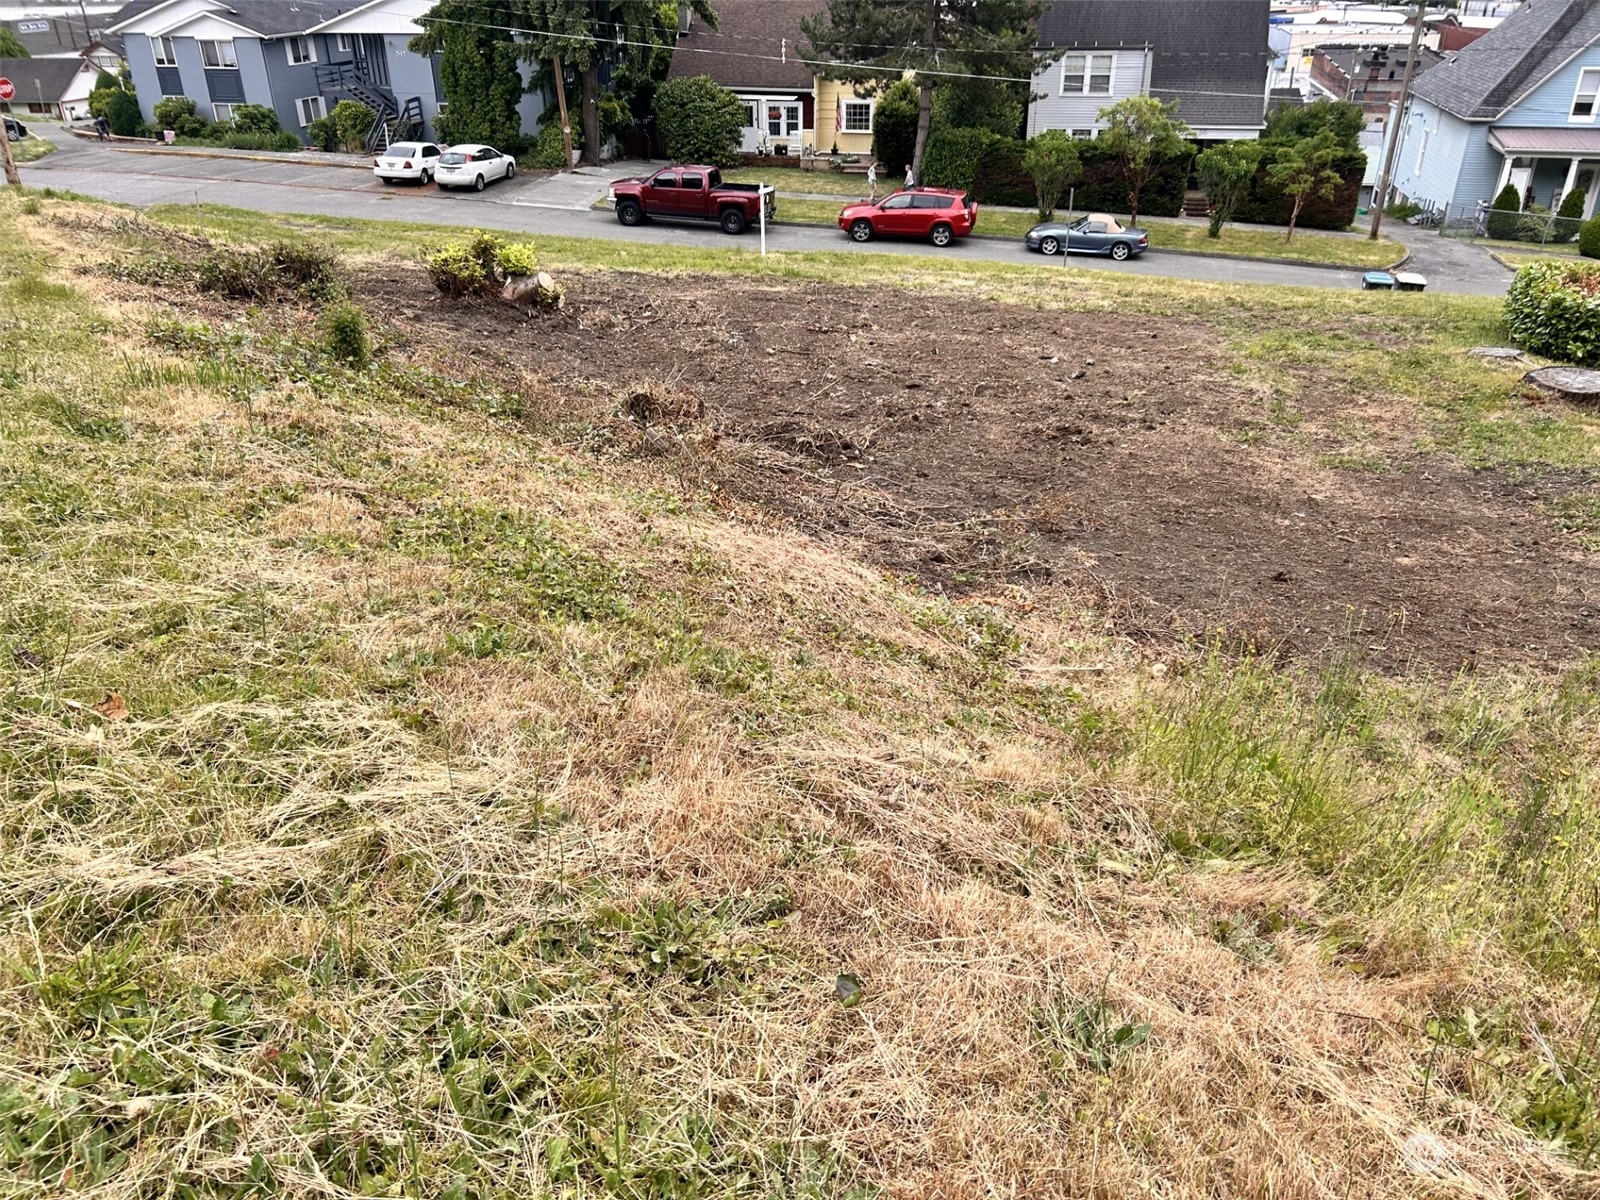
1545 165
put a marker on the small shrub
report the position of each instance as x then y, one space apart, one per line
306 267
456 270
31 207
255 118
1572 205
121 111
1553 309
263 274
178 114
1589 238
344 334
324 134
517 258
1505 214
549 152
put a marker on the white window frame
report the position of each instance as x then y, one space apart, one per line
1592 95
752 114
1081 135
160 46
227 59
1085 68
309 109
1422 150
846 126
347 43
291 44
223 112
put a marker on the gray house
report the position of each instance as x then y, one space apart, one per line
297 57
1211 56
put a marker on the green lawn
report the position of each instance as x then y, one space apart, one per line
1337 250
32 149
410 789
824 183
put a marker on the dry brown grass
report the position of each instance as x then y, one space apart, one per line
323 802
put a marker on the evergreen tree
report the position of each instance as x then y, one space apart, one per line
1141 132
872 42
10 47
478 70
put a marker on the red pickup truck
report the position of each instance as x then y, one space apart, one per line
691 194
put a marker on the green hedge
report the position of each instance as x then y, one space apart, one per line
232 140
1589 238
1553 309
990 167
1267 205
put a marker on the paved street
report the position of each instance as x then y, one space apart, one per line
563 205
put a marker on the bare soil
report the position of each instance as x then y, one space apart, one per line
974 444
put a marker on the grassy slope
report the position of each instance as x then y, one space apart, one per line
494 811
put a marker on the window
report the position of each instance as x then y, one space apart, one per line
1086 74
166 56
1082 134
312 108
301 51
667 179
898 200
1422 150
749 114
1583 102
222 112
783 120
858 116
347 44
923 200
692 183
218 54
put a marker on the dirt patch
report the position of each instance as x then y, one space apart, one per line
972 443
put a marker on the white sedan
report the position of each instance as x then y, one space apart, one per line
407 160
473 166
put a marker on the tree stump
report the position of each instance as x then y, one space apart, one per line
1570 383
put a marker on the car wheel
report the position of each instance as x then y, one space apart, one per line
628 212
385 180
477 184
940 234
733 221
1050 246
861 231
426 178
511 170
1120 251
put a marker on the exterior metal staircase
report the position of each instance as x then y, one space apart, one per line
395 122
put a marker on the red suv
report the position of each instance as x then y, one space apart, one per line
938 214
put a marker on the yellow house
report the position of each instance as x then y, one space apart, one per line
757 51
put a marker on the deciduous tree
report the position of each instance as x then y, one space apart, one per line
1052 161
10 47
1225 173
1302 170
873 42
1140 133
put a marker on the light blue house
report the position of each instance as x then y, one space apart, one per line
297 57
1519 105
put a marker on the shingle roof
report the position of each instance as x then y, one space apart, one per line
58 37
769 29
1486 77
53 75
269 18
1210 55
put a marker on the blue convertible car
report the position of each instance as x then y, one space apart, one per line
1097 233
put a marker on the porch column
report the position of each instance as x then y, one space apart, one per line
1572 179
1505 177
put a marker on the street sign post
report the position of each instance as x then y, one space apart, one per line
7 90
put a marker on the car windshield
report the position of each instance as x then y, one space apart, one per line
404 150
452 157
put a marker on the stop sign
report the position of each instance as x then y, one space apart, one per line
6 90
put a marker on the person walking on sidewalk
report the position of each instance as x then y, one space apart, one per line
872 182
911 183
102 128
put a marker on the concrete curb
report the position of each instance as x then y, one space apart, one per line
291 157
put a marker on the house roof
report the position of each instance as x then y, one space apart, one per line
1491 74
268 18
51 37
1532 140
1209 55
764 31
1353 60
50 77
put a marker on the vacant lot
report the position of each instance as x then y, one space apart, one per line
971 444
503 767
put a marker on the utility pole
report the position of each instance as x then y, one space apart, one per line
1397 123
566 125
12 177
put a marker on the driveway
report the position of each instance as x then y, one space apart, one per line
563 205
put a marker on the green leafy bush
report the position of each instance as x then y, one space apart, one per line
352 120
455 270
549 152
1505 214
1589 238
178 114
121 111
1572 205
344 334
1052 160
1553 309
517 258
324 134
952 156
894 125
255 118
700 122
232 140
